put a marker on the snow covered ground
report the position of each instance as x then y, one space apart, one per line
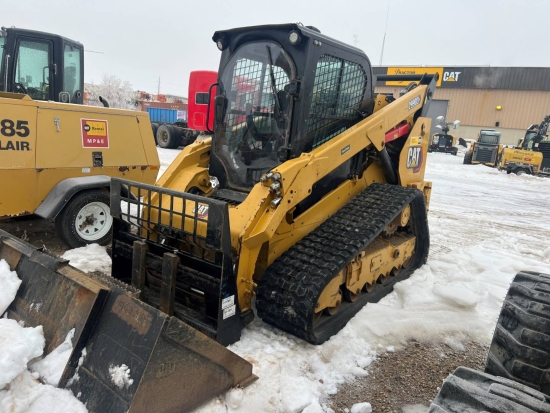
20 349
485 226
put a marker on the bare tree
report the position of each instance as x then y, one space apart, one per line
118 93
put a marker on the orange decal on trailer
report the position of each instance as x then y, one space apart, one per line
95 133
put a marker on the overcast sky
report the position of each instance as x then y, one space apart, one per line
142 40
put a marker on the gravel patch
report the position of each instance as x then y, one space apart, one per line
408 379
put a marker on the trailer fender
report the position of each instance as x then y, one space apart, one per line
62 193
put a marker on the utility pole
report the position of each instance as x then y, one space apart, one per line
385 30
158 91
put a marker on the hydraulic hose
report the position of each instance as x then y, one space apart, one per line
387 168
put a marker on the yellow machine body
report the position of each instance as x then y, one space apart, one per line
260 233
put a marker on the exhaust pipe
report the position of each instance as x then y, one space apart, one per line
104 101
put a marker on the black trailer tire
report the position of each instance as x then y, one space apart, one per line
178 133
468 390
468 157
521 171
86 219
155 128
166 137
520 349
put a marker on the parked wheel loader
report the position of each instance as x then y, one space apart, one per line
516 376
486 150
309 198
56 155
532 155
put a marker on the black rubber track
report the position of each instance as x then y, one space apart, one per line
289 290
472 391
520 349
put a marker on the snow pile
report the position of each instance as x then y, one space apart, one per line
10 284
120 376
28 395
51 367
18 346
20 391
361 408
92 257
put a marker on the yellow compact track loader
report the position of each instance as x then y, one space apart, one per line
310 197
486 150
56 155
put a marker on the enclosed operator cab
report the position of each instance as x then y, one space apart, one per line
42 65
262 74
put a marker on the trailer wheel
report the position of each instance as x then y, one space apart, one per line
178 133
519 350
86 219
155 128
166 137
468 157
521 172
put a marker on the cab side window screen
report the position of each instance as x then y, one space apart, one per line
338 90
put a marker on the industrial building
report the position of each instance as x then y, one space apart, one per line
508 99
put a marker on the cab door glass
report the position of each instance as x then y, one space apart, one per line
2 42
33 70
71 72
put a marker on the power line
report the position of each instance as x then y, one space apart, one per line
385 30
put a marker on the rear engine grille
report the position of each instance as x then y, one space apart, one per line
485 154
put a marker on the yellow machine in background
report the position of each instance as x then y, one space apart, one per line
486 150
532 155
56 159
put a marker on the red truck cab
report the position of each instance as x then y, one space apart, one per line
202 91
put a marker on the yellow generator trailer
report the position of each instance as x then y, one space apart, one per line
56 155
532 155
486 150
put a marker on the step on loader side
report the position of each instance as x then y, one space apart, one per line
174 367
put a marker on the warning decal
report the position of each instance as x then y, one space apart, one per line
95 133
